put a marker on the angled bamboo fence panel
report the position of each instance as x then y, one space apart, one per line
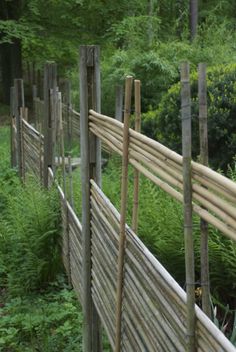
154 305
105 233
75 250
32 145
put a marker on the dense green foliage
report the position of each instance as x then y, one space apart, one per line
48 321
165 123
29 237
47 318
29 230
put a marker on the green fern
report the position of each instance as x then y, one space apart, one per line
30 235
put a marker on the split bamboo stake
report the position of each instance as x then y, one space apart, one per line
137 98
203 134
187 193
124 190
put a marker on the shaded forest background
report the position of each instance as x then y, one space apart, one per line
145 38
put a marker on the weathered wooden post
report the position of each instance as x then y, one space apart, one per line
90 98
71 197
19 103
50 83
61 157
13 121
119 103
34 97
67 100
124 196
203 136
187 191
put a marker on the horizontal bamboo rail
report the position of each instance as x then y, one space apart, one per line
163 167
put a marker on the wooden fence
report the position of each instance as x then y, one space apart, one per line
154 308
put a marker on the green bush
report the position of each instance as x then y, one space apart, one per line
29 238
165 122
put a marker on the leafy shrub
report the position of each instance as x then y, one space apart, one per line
50 321
29 238
166 121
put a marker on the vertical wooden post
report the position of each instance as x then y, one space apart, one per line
67 99
90 169
137 98
124 194
187 190
19 102
40 154
203 135
50 82
119 103
34 97
23 115
12 114
71 199
39 80
61 157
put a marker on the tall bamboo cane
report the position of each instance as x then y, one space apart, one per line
124 191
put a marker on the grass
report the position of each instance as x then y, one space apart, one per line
4 114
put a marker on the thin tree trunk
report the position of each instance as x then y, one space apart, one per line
193 18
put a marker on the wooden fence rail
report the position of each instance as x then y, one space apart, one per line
154 307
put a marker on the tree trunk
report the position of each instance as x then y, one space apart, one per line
193 18
11 67
10 53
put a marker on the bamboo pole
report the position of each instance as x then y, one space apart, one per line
124 191
203 134
137 98
187 193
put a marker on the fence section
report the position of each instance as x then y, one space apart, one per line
154 309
